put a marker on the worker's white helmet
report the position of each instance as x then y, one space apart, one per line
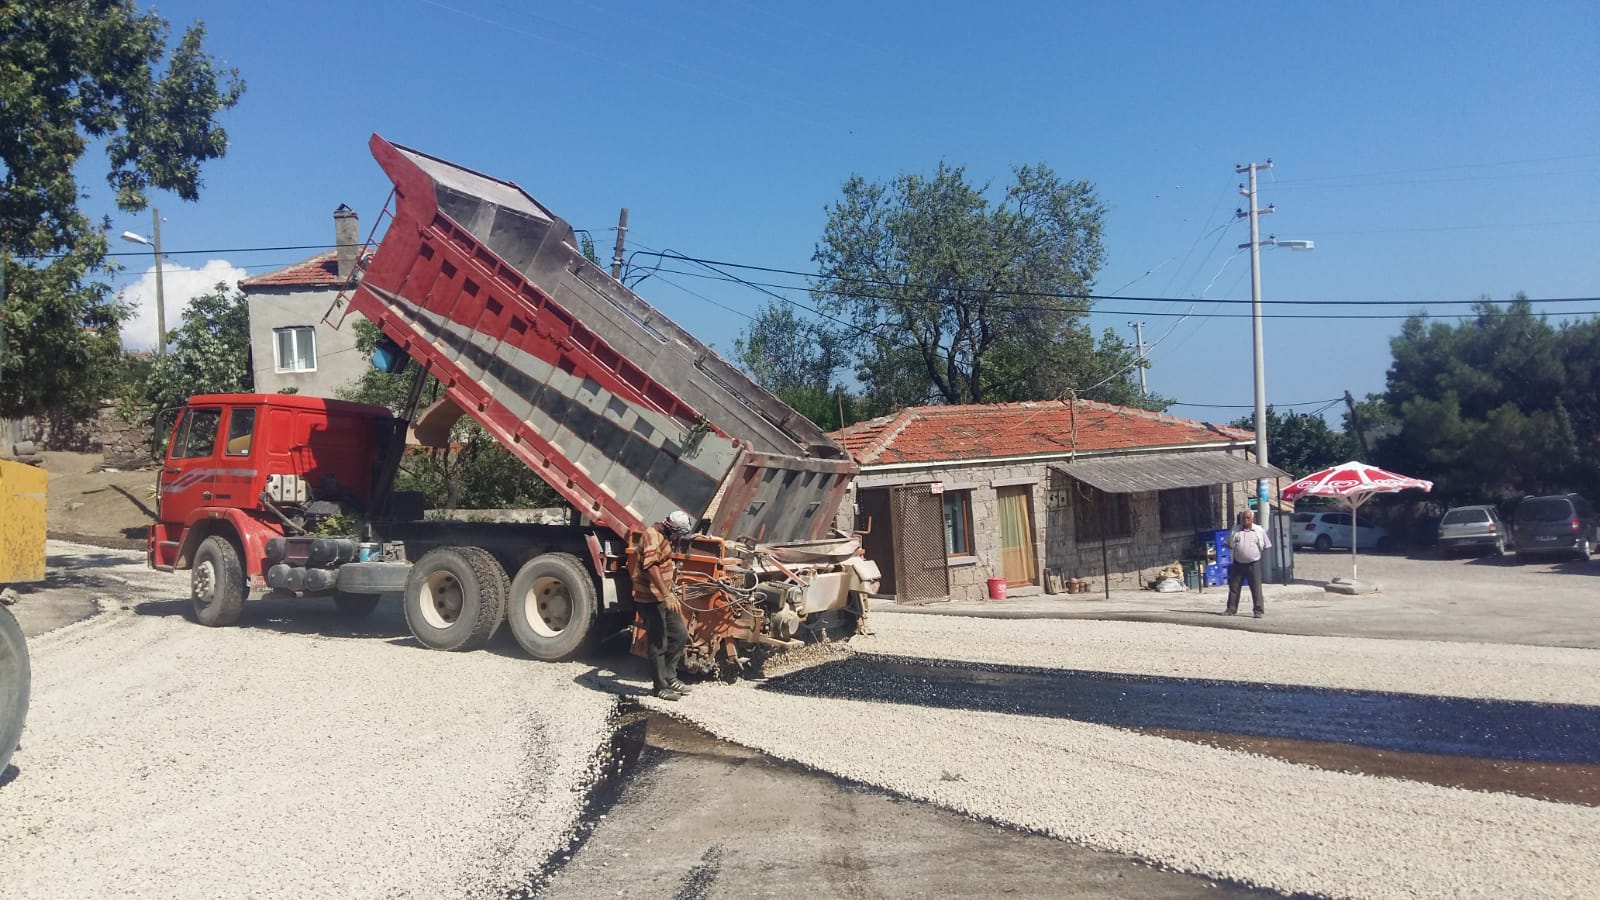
678 523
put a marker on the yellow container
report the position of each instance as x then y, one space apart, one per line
22 510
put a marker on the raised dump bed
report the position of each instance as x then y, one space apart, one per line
624 413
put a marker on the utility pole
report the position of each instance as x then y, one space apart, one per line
161 305
1355 422
622 234
1255 214
1138 349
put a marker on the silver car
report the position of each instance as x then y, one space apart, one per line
1475 529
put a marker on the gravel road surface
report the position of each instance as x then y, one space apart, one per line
302 754
299 755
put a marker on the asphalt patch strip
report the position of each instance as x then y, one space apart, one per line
1411 723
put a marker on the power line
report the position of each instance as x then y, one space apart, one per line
1251 406
1023 307
1051 295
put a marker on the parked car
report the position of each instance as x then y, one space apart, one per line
1474 529
1326 530
1564 523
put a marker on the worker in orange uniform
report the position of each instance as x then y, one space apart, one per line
654 575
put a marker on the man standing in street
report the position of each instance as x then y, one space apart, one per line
1248 543
654 576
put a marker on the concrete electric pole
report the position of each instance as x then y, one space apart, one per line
1255 214
622 234
154 243
1138 349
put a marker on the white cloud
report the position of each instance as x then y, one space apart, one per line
180 284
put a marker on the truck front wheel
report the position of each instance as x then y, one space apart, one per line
552 609
216 582
455 598
14 679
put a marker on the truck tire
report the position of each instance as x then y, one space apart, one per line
216 583
355 605
553 610
454 598
15 678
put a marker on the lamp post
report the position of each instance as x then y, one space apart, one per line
1263 508
154 243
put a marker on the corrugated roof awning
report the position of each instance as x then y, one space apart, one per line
1163 472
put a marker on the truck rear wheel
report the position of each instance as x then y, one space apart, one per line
553 609
14 684
216 583
455 598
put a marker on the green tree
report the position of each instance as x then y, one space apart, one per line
952 298
1487 407
473 472
1301 443
798 359
72 73
210 352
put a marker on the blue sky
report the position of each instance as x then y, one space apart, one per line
1433 151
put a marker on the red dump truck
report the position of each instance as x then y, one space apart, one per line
622 412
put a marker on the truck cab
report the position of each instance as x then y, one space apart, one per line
246 468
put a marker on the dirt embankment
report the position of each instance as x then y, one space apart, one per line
91 504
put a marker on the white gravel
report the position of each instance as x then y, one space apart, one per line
163 759
1196 808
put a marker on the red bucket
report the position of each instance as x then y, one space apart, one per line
997 589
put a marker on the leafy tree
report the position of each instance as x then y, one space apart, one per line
210 352
952 298
798 359
72 73
473 472
1495 406
58 331
1301 443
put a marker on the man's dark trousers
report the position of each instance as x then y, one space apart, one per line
1237 573
667 636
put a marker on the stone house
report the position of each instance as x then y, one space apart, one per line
293 341
1038 493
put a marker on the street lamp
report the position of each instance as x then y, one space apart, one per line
1263 508
154 243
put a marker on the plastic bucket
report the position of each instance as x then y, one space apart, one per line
997 589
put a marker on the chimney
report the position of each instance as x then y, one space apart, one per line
346 238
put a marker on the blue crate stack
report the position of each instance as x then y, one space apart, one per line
1217 541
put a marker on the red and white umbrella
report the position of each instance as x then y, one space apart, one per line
1355 483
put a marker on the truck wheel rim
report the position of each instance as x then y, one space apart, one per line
442 599
548 607
205 583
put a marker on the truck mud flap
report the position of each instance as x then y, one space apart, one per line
373 577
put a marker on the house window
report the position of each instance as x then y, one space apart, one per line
297 349
958 523
1097 514
1185 509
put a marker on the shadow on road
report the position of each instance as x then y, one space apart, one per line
310 616
1450 726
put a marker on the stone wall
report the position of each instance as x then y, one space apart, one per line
125 445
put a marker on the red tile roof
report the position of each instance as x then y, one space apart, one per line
321 271
930 434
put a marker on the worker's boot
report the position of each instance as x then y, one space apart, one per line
667 693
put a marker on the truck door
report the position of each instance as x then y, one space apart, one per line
189 474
